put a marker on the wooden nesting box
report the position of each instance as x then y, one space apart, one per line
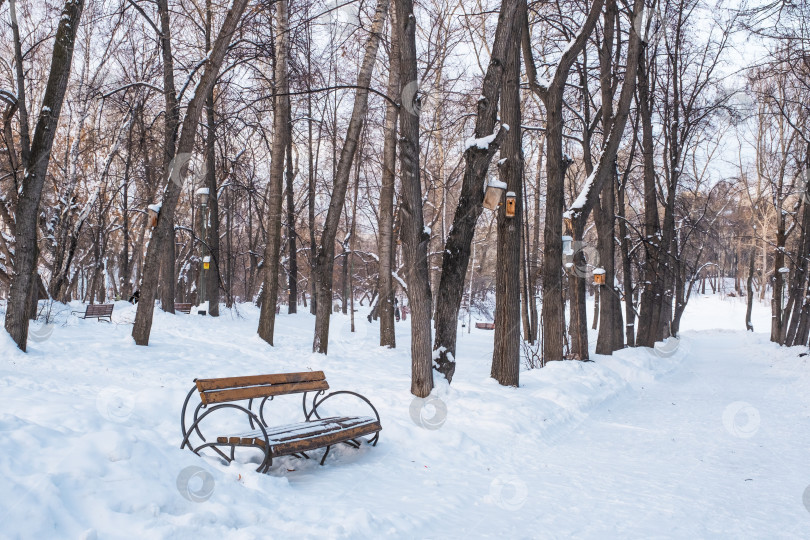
152 214
493 194
511 204
599 276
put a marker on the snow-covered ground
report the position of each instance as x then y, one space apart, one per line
707 437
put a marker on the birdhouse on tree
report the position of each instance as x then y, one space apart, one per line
152 211
511 204
493 194
599 276
567 249
568 224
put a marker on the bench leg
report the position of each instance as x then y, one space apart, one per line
325 454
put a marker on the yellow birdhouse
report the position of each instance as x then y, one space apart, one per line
511 204
599 276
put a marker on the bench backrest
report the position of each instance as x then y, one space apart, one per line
99 310
183 307
259 386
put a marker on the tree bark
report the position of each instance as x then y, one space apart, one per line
456 254
171 124
326 251
506 353
26 249
214 274
601 182
281 120
165 225
386 244
649 307
414 237
553 310
311 176
292 298
624 246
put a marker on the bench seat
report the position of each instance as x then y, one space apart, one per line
305 436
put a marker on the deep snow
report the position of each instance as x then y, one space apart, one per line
706 437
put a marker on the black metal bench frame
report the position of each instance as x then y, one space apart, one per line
256 418
97 316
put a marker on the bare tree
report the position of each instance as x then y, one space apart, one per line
281 133
164 230
415 238
386 244
477 157
551 93
326 252
36 157
506 353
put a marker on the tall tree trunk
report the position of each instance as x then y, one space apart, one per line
326 252
344 274
477 157
281 119
353 240
602 181
214 275
535 249
386 244
649 307
414 237
164 258
524 277
506 353
165 225
778 281
26 249
311 176
624 247
609 306
126 266
292 299
553 311
578 289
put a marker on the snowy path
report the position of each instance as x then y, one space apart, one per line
637 445
674 460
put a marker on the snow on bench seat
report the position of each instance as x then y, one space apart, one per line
304 436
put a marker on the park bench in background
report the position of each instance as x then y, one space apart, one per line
98 312
182 307
485 325
242 393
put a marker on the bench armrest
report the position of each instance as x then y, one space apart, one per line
266 462
317 402
197 418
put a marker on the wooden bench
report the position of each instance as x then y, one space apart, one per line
98 312
242 393
485 325
182 307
